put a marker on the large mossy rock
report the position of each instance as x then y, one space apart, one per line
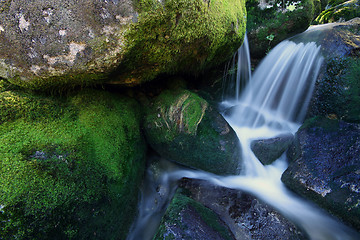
270 22
184 128
339 10
60 44
325 167
69 168
188 219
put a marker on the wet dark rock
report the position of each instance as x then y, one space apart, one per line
246 216
268 150
325 167
337 90
184 128
188 219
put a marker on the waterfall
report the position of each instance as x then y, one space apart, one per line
237 72
275 102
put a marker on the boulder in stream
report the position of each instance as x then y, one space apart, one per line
183 127
325 166
247 217
268 150
48 45
188 219
70 166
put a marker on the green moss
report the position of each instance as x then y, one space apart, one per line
178 111
61 84
69 169
341 10
183 36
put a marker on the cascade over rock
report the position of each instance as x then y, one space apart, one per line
184 128
325 166
337 90
70 167
61 44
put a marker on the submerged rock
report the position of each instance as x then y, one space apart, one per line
268 150
188 219
246 216
325 167
61 44
70 167
184 128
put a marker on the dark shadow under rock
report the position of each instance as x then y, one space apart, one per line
247 217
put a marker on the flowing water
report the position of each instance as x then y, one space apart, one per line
274 103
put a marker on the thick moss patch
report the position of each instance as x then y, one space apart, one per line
182 36
69 168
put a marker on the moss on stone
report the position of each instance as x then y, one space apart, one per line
185 36
69 168
342 10
173 218
184 128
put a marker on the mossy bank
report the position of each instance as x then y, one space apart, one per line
69 167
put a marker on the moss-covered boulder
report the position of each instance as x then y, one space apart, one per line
339 10
188 219
69 167
325 167
270 22
60 44
184 128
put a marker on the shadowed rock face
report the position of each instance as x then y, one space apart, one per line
325 167
52 44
